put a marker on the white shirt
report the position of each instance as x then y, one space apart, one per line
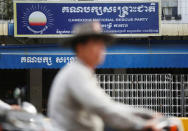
77 103
4 106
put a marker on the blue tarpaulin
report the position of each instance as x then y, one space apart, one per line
132 54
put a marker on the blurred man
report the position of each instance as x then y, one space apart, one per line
77 103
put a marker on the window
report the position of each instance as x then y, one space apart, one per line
170 10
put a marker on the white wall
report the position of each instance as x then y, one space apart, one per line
3 28
183 6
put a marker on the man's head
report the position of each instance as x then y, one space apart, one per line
89 43
91 50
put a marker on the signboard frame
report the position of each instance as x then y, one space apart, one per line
70 35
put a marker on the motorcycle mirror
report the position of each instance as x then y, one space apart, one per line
17 93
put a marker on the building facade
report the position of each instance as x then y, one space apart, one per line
163 86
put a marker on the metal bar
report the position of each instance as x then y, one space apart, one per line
118 89
182 94
164 93
142 90
156 107
137 91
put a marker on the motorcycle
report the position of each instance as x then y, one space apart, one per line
27 119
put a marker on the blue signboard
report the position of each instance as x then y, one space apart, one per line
57 19
35 61
127 60
160 54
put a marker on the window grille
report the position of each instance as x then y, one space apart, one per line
164 93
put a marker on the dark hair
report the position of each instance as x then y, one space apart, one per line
83 40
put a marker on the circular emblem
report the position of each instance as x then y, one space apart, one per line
37 19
